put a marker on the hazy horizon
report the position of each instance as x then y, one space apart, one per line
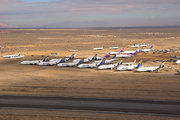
84 13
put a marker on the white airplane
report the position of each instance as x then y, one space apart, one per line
87 59
107 61
126 55
114 47
150 69
74 50
99 48
18 57
70 64
9 56
113 53
66 58
110 66
146 50
128 66
92 64
143 45
34 62
131 52
135 46
178 62
51 63
174 56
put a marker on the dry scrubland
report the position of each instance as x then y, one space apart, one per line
51 80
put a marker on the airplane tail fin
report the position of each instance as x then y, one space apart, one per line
139 64
135 53
135 61
118 46
102 62
151 47
81 61
103 46
162 64
72 56
95 57
19 54
62 60
121 50
114 57
120 62
46 59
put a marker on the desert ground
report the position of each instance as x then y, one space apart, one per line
36 44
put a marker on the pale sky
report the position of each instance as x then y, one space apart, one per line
90 13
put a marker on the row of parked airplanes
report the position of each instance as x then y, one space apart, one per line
133 46
97 61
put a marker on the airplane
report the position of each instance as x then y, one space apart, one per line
66 58
110 66
52 63
70 64
100 57
126 55
143 45
174 56
150 69
112 53
107 61
18 57
131 52
114 47
128 66
178 62
99 48
135 46
87 59
74 50
9 56
146 50
34 62
92 64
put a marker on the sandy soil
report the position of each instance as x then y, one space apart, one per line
51 80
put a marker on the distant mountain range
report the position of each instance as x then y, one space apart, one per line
4 25
71 24
65 24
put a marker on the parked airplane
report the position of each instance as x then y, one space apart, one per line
129 66
87 59
9 56
143 45
34 62
74 50
135 46
101 57
126 55
51 63
146 50
92 64
131 52
174 56
113 53
66 58
114 47
17 57
178 62
107 61
99 48
71 64
110 66
150 69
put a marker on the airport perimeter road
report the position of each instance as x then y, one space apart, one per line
127 106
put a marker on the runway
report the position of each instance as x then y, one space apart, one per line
105 105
